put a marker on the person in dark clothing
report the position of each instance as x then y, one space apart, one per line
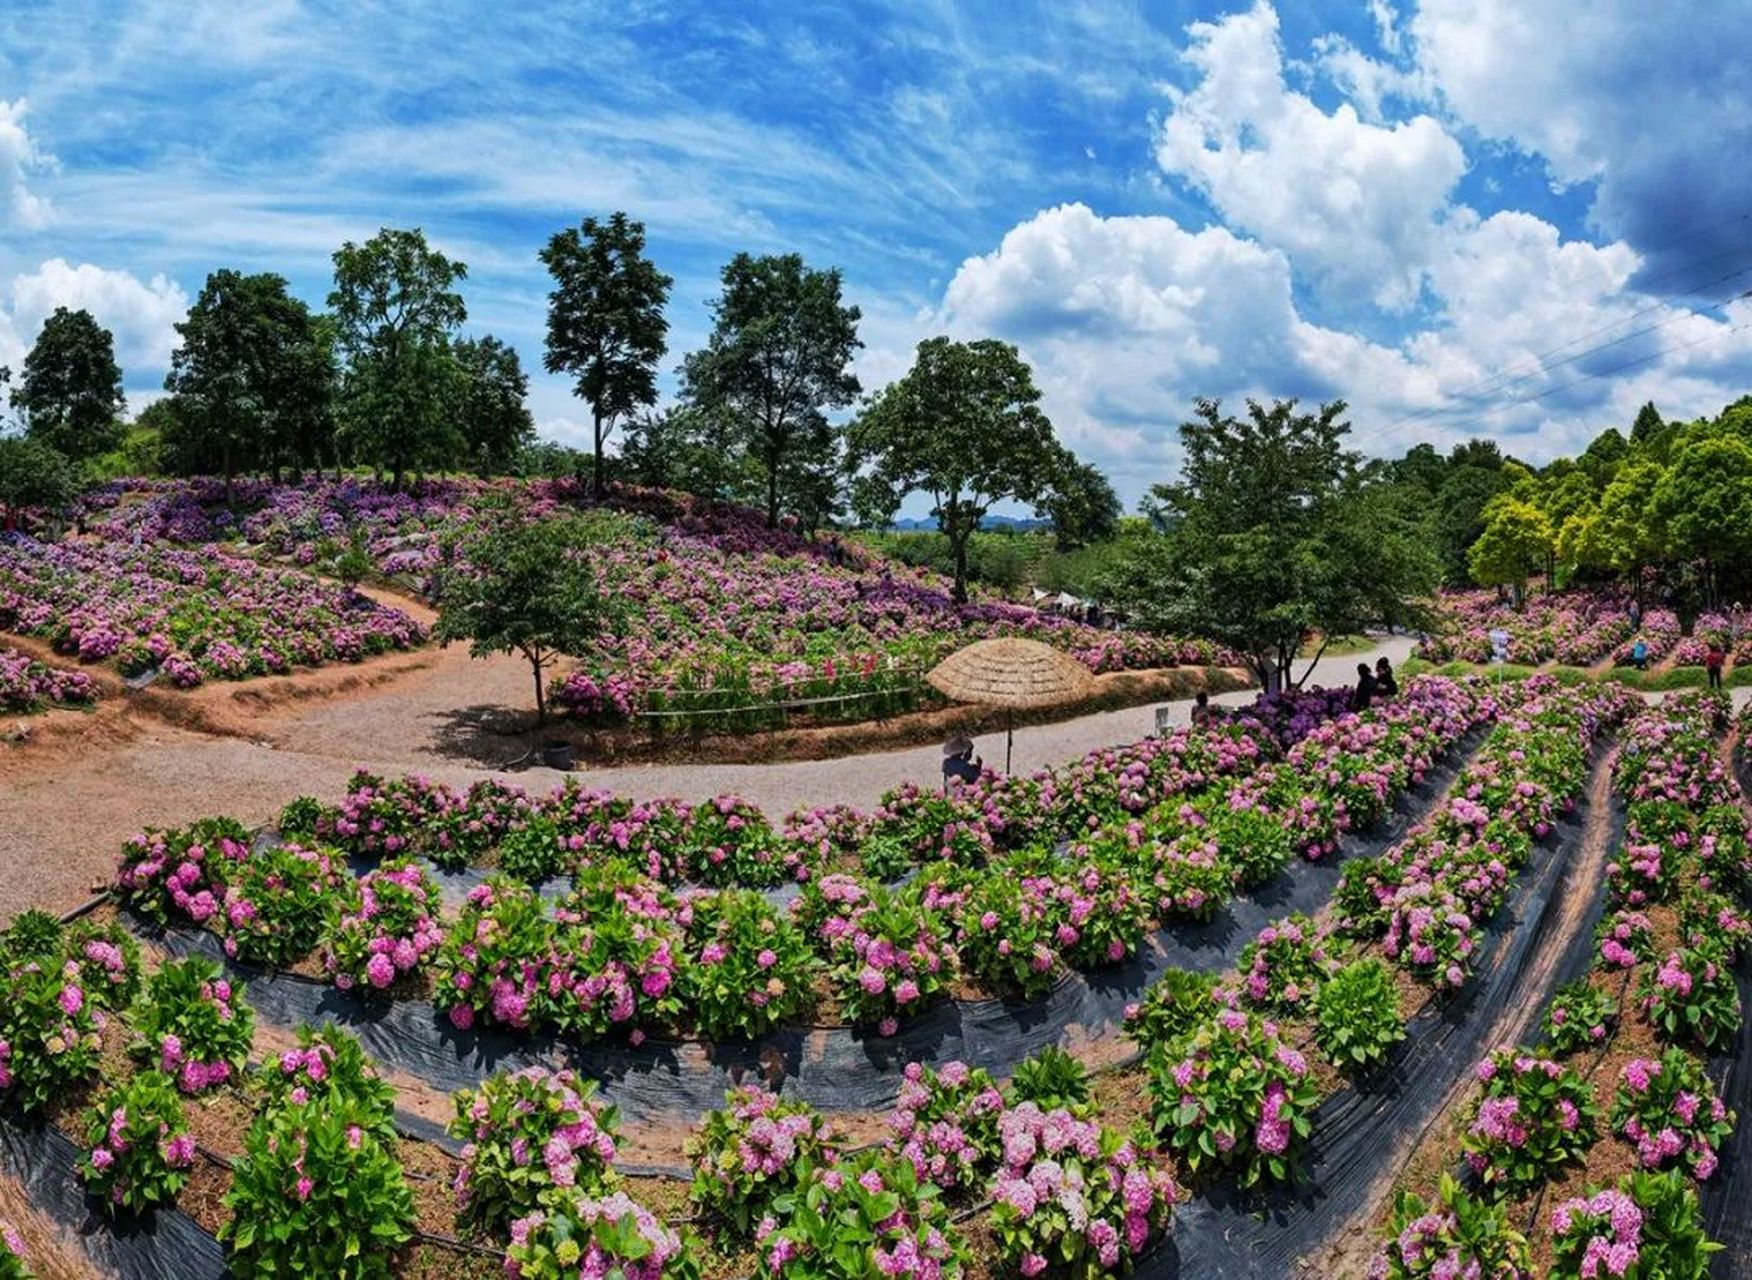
1201 709
1635 615
1364 693
1386 686
1712 663
959 761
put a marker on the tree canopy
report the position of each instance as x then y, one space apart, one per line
963 425
528 589
492 410
396 310
32 475
778 360
606 326
1274 532
70 389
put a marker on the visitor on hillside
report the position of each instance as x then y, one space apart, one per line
959 761
1364 693
1635 615
1386 686
1639 655
1201 709
1712 663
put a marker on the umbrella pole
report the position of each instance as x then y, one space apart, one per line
1009 736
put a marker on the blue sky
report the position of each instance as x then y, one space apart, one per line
1404 204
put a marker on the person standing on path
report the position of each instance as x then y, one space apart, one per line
1712 663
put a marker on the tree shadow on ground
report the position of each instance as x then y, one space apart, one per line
497 737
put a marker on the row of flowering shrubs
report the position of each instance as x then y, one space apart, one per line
624 951
1231 1064
1674 929
1577 628
319 1187
198 614
28 685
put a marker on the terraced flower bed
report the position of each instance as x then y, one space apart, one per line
28 685
733 616
197 614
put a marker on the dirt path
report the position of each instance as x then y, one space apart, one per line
66 806
1417 1157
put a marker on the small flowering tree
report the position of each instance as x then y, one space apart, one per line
528 1135
194 1026
751 1152
140 1146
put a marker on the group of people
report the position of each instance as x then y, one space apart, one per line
1373 685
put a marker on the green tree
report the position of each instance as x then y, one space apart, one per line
492 408
1273 531
395 311
1648 424
605 320
963 425
252 378
1705 502
687 448
1082 505
527 589
1517 540
70 389
32 475
779 358
1458 517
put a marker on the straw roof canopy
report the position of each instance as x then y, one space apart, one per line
1011 673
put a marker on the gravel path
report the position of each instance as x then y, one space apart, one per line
66 807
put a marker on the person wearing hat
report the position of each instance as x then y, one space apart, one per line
959 761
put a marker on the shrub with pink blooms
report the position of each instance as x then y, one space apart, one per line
14 1256
1356 1015
139 1146
888 956
945 1124
582 1237
181 872
1450 1236
618 946
1691 997
1624 939
1237 1096
495 958
277 903
1176 1005
748 968
1668 1109
49 1032
385 930
108 958
1098 915
529 1136
28 685
1580 1017
1533 1115
750 1152
728 841
1005 933
195 1027
1283 967
1073 1198
329 1063
317 1192
868 1217
1648 1227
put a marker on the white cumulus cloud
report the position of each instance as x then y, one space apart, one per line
141 315
20 158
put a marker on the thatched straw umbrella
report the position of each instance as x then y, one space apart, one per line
1011 673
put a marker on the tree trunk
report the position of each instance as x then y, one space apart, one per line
772 493
230 475
596 481
959 593
540 697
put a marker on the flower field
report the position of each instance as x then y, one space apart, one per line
733 615
627 931
197 614
28 685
